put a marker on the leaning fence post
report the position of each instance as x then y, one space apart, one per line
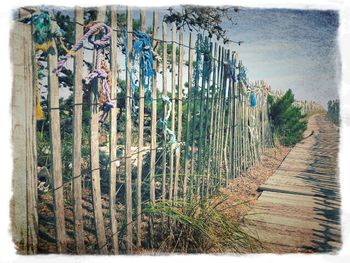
179 117
189 98
128 168
165 108
153 146
154 115
212 113
173 88
95 158
113 133
140 142
77 134
55 139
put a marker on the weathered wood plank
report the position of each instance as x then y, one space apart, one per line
173 88
165 107
153 146
179 117
77 135
24 218
140 143
189 98
211 125
303 207
55 140
113 133
154 115
128 131
95 157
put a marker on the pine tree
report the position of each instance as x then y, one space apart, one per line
287 121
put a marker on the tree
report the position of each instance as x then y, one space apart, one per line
202 18
288 122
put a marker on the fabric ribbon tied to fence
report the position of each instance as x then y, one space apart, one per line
142 50
242 74
252 99
232 69
98 72
172 136
98 44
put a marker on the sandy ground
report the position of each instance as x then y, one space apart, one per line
242 192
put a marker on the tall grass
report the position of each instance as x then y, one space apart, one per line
199 227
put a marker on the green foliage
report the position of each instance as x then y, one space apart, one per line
287 121
197 18
169 50
201 227
333 111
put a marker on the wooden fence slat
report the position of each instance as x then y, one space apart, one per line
173 88
154 115
217 115
234 122
128 131
179 116
201 120
220 116
55 140
226 145
193 174
223 116
231 127
212 106
77 135
95 158
140 142
113 133
165 108
24 218
153 146
189 97
205 151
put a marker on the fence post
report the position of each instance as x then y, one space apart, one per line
211 135
55 139
217 116
140 142
173 88
113 132
154 115
221 114
128 131
95 158
153 149
194 119
205 154
24 215
165 108
179 116
77 133
189 98
200 138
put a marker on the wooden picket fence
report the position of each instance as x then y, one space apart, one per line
222 137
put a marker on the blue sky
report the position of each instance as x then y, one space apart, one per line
294 49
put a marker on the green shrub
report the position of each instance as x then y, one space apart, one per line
288 123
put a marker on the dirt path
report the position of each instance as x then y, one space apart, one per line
298 210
